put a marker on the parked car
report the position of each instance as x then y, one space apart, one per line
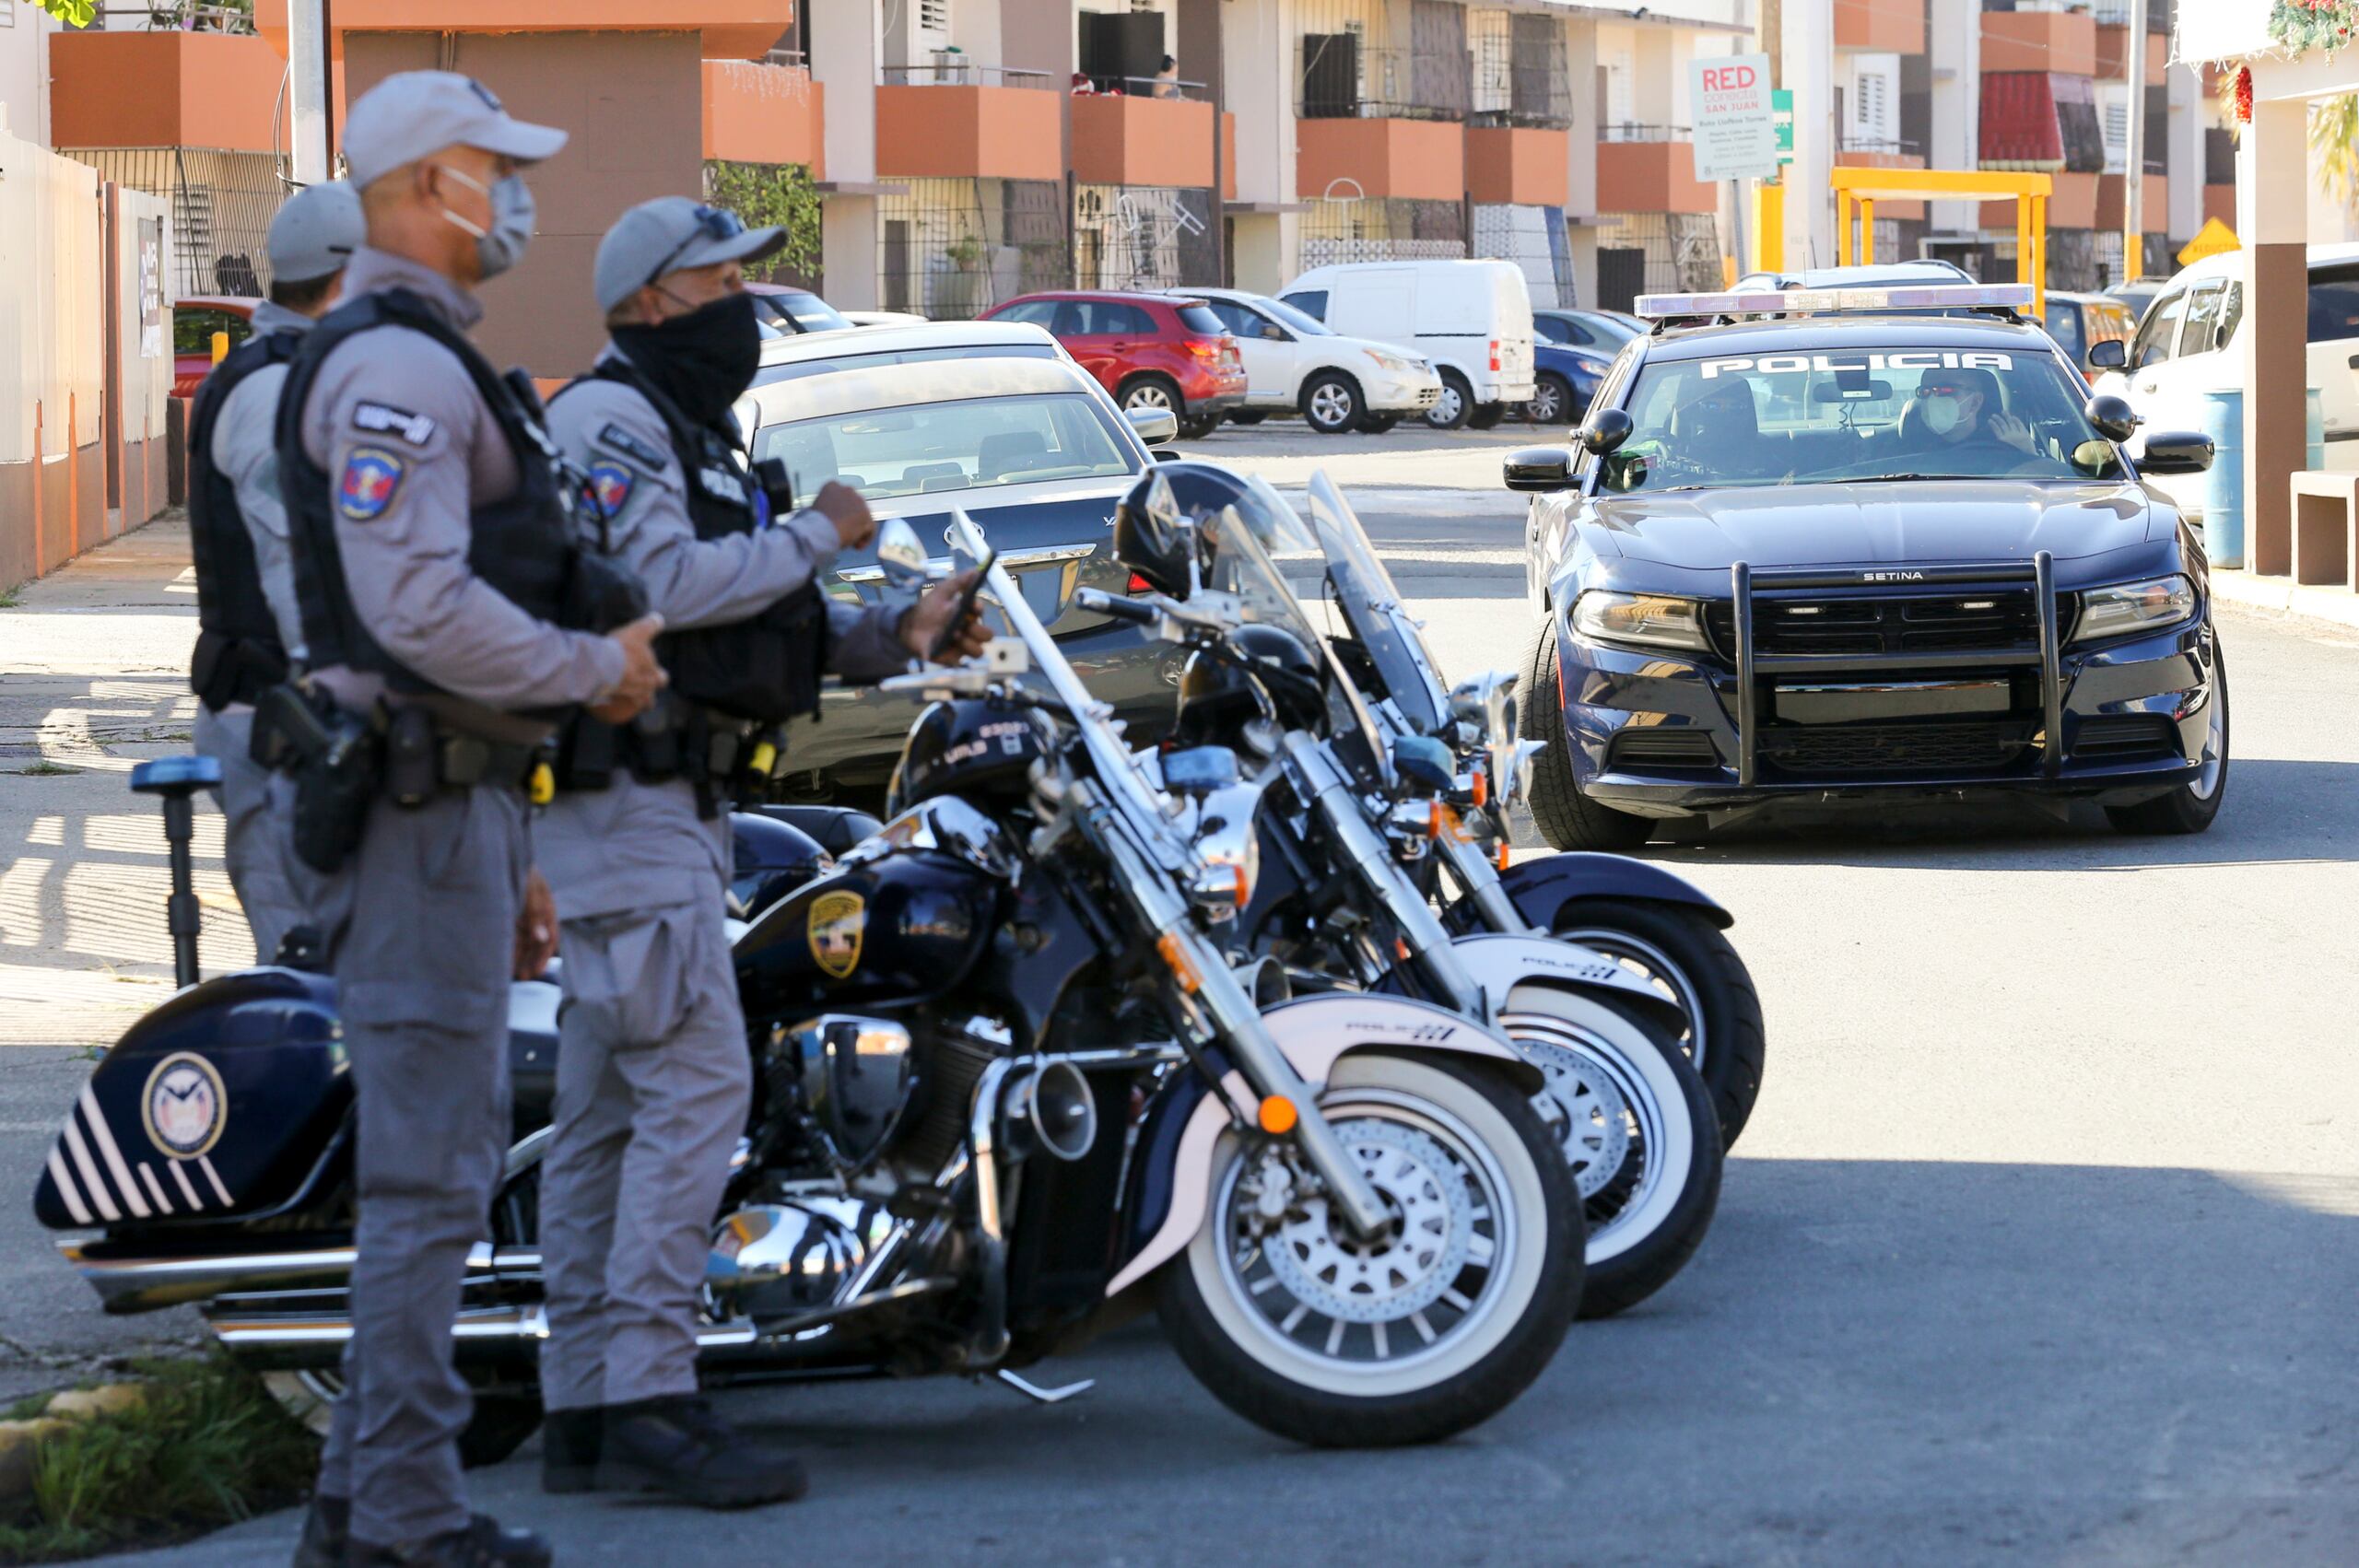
1926 273
1026 443
785 311
2080 321
884 318
792 358
1471 318
194 320
1150 350
2187 347
2136 297
1570 352
1295 363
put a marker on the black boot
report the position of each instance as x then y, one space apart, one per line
325 1528
482 1544
569 1450
677 1445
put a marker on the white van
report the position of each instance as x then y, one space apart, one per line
1471 318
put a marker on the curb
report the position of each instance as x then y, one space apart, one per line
2327 606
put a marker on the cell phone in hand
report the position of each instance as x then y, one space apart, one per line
949 633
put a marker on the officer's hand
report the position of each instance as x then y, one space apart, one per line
843 506
536 929
924 625
642 676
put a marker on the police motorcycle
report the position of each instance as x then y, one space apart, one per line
1327 804
1354 1225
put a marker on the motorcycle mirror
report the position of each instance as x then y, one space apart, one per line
900 555
2113 416
1421 759
1605 430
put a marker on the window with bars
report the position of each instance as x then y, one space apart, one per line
952 249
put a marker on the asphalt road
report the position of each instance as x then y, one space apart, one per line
2040 1247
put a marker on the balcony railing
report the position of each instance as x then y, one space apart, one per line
175 15
1342 78
1886 146
1142 87
1634 130
1521 81
963 73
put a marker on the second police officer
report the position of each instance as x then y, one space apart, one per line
447 614
654 1073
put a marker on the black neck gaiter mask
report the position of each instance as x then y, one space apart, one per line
703 361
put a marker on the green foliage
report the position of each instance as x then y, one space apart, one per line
2300 25
2334 136
772 193
73 12
207 1447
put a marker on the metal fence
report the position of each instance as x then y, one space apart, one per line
1681 250
1348 70
1144 237
1363 228
1519 70
953 249
222 204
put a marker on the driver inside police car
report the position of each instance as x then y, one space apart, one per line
1957 408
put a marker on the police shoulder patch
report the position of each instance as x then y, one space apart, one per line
636 448
384 419
372 476
610 487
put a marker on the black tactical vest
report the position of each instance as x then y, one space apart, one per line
238 652
523 546
765 669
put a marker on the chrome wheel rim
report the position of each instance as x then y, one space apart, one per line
1650 964
1546 407
1445 409
1341 1303
1331 404
1610 1131
1148 396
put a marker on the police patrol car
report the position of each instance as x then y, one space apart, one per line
1863 544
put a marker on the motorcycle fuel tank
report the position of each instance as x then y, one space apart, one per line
900 928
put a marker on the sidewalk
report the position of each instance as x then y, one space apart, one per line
2338 606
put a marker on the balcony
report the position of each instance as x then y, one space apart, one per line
1342 78
933 125
2154 212
1415 159
1120 139
1517 166
2071 205
1520 77
163 89
2062 43
761 114
728 29
1887 27
1873 153
1649 169
2113 54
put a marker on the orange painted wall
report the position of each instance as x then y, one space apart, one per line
2220 202
755 113
1122 140
2072 204
967 132
1418 159
733 30
1894 26
1651 177
1530 167
2039 41
2113 45
2157 198
1229 157
1905 211
162 90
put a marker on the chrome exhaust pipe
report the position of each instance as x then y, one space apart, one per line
145 1284
318 1338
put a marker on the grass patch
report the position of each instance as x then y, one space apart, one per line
208 1447
8 600
45 768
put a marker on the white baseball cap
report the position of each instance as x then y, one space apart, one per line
315 232
412 113
671 234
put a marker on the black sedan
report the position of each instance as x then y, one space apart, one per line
1861 556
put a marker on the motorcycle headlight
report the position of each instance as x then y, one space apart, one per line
1650 620
2147 605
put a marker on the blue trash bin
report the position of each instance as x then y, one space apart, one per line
2222 419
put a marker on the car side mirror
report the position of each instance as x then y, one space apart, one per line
2112 354
1273 331
1538 469
2113 416
1421 759
2175 451
1605 430
1153 426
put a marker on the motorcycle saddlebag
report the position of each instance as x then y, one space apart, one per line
222 1104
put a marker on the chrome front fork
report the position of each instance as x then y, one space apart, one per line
1475 874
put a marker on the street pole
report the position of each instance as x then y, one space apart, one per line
307 89
2133 174
1772 225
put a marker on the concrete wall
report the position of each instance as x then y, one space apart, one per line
24 76
139 392
52 285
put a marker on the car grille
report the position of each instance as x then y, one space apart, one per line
2125 737
1942 746
1648 749
2003 620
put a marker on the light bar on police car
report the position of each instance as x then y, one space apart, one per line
1823 301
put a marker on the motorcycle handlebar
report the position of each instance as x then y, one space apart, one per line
1102 603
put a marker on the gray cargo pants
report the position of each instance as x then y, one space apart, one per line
258 835
422 977
653 1079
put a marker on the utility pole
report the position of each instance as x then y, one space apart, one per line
2133 174
1770 221
307 89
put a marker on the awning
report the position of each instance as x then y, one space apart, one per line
2044 124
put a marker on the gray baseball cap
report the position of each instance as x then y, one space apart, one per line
412 113
315 232
671 234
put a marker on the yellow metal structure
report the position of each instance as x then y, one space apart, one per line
1863 187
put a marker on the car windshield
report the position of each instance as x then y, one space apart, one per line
1308 326
951 446
807 312
1855 415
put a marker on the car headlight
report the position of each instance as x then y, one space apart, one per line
1399 364
2126 607
1652 620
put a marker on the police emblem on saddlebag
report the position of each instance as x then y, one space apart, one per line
837 922
184 1106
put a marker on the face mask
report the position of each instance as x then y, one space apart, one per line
704 360
1941 414
501 246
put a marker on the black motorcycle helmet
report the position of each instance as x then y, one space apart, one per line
1264 672
972 748
1147 535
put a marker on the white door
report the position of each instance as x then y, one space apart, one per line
1272 371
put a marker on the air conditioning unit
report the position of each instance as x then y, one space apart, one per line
932 20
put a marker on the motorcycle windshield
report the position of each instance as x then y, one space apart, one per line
1373 609
1243 565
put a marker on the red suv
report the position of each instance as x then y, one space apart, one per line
1149 350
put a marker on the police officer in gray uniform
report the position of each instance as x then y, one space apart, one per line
653 1074
248 629
441 594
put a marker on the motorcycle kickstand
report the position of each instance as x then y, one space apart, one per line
1032 1390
